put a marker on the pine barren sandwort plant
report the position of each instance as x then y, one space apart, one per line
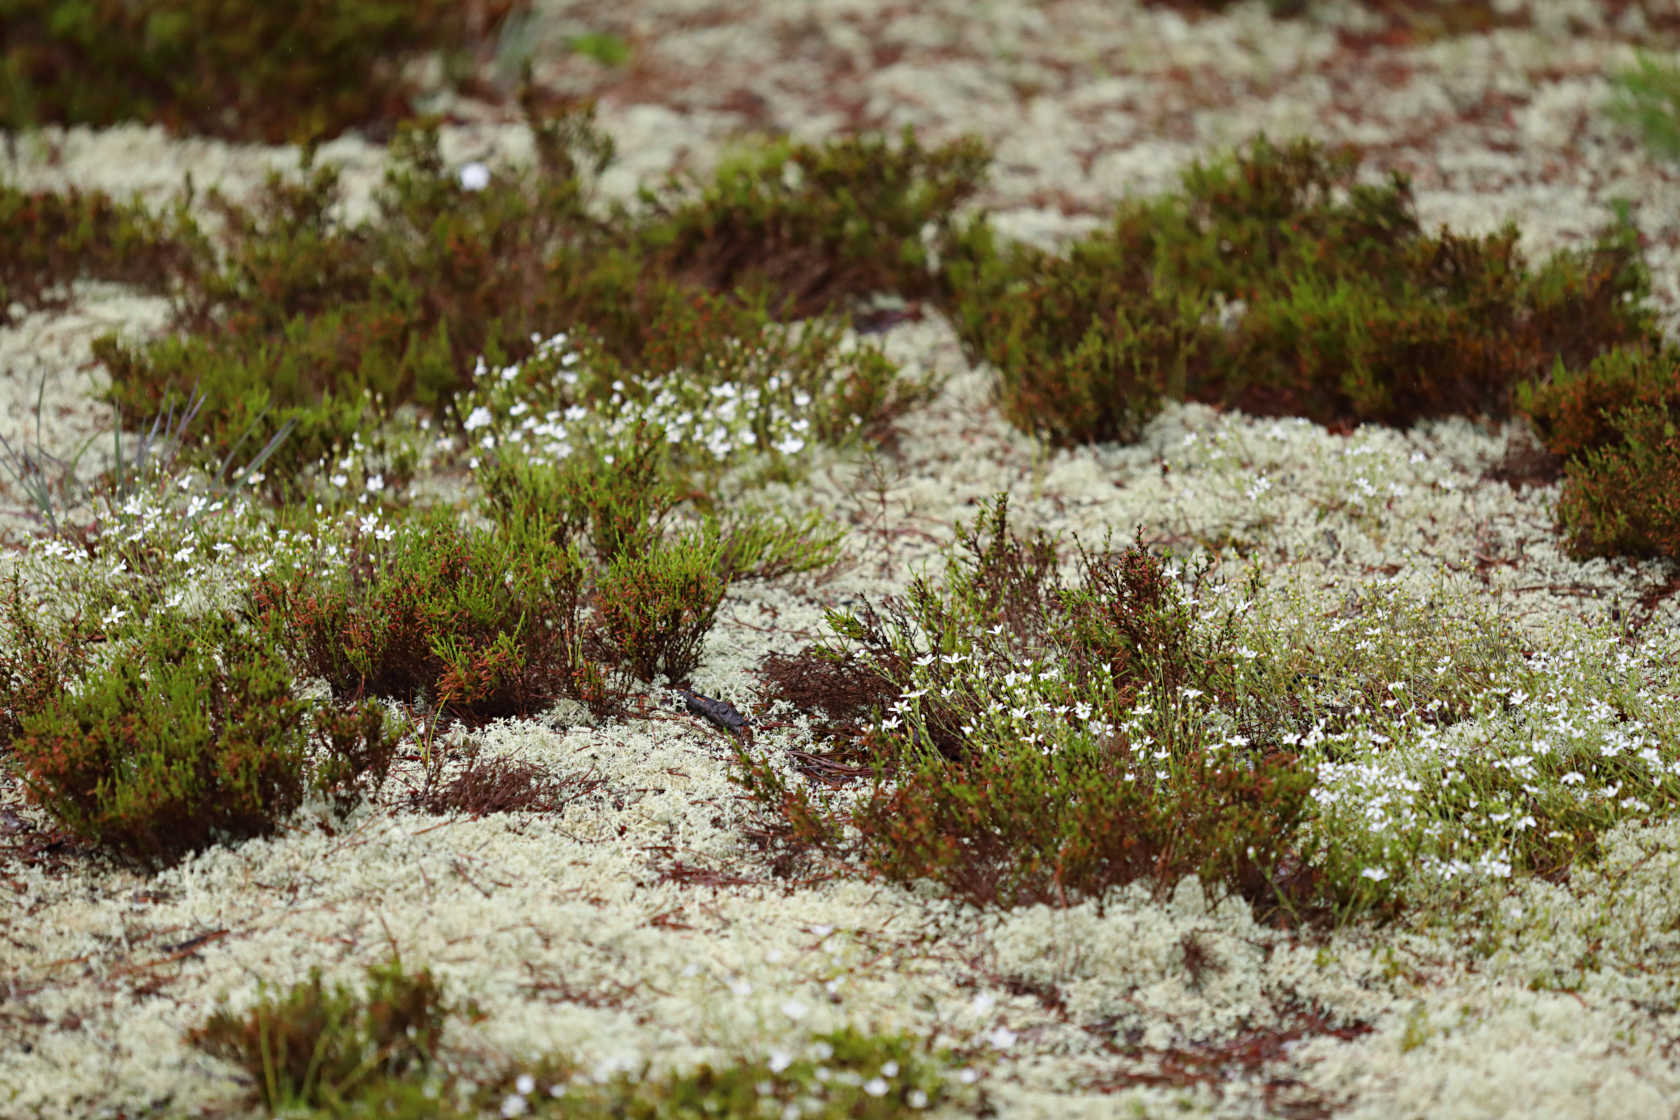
192 733
338 1052
1047 742
837 1074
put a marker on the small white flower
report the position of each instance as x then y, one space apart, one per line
875 1087
1375 874
475 177
524 1084
479 417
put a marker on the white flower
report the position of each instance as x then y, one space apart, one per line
475 177
479 417
1375 874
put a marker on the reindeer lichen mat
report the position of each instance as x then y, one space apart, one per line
1025 560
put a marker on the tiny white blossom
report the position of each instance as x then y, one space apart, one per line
474 177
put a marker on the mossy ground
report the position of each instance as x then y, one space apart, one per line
1035 725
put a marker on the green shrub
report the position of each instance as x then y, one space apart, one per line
1047 742
486 623
1340 309
245 70
1576 410
325 1049
192 734
48 240
814 225
1623 498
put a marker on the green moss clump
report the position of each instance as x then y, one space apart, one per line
324 1049
245 70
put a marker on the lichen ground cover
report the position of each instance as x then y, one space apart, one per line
642 923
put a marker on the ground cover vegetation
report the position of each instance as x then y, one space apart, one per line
987 730
243 70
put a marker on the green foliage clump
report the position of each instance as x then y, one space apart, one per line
311 320
838 1074
655 593
1648 98
48 240
244 71
818 224
1614 424
341 1053
485 622
192 734
1048 742
320 1049
1339 308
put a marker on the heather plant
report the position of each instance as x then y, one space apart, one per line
820 224
321 1049
1277 284
1623 499
238 70
192 733
483 623
1047 741
49 240
1613 424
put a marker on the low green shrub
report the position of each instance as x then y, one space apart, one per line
486 624
817 224
193 733
1336 306
654 593
243 70
1623 498
1048 742
320 1049
48 240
